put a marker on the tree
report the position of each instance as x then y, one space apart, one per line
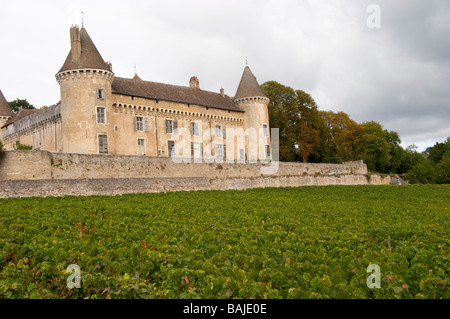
19 104
443 169
374 147
295 114
308 136
340 136
424 172
282 115
436 152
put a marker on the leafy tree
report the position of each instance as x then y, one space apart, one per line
374 147
424 172
443 169
340 135
19 104
409 158
436 152
282 115
308 134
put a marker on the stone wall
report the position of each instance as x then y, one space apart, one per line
32 165
42 173
118 186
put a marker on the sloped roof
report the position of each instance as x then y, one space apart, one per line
5 110
19 115
90 57
248 87
174 93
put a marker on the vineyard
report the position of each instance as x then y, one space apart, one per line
308 242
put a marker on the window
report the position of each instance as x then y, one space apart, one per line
171 148
172 126
241 154
169 126
100 94
139 120
141 146
267 149
101 115
196 150
218 131
141 123
219 150
266 130
195 130
103 143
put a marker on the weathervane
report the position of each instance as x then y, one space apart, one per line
246 62
82 20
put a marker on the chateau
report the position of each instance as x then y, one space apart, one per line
100 113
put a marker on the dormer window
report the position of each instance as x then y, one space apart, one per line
100 94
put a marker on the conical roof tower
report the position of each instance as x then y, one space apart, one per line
83 53
5 110
248 87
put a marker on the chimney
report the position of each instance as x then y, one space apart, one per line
75 43
194 83
222 92
109 64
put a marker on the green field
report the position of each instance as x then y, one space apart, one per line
309 242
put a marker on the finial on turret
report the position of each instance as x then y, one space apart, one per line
82 20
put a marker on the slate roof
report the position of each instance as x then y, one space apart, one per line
90 57
248 87
167 92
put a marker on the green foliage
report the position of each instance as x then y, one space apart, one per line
295 113
19 104
19 146
309 242
423 173
1 146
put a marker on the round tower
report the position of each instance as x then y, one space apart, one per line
5 113
251 99
86 97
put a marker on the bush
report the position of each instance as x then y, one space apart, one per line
19 146
423 173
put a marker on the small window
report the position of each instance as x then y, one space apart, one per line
101 115
219 150
141 146
265 130
169 126
267 149
241 154
218 131
103 143
139 121
195 130
100 94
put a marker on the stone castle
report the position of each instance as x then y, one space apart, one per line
100 113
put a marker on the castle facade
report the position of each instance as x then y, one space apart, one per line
100 113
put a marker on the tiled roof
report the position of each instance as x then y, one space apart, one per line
248 87
19 115
5 110
174 93
90 57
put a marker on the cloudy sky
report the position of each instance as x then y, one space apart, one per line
398 74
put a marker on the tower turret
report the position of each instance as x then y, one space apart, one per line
5 112
86 96
251 98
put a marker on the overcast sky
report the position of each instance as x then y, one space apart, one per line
398 75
